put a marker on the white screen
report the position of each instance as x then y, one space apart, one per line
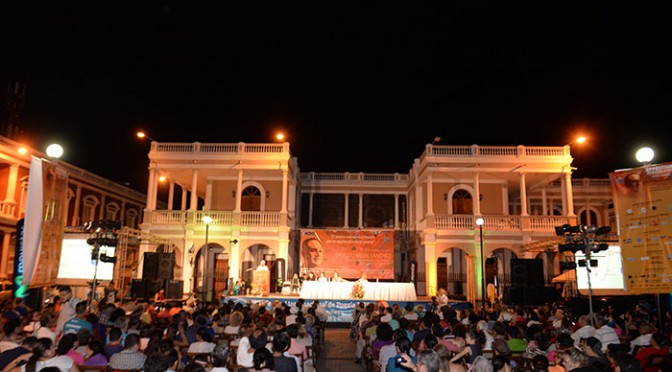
608 275
76 261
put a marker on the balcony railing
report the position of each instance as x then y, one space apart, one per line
499 223
218 218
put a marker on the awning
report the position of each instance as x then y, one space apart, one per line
567 276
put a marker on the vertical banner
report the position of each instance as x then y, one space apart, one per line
44 223
18 290
643 203
351 253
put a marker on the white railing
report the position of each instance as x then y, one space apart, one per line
218 218
8 208
499 223
547 222
498 151
259 218
221 148
168 218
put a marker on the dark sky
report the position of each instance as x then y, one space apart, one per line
356 86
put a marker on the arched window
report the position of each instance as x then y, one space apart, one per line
131 218
588 217
111 211
462 202
89 204
251 199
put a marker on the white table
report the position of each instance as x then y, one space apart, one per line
373 291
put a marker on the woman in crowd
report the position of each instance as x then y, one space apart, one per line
95 354
44 356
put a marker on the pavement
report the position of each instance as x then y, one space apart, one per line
338 351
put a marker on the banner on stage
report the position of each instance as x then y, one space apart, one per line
643 204
349 252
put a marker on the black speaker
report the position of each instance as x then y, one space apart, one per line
166 263
526 295
138 288
490 270
153 286
527 272
174 289
150 263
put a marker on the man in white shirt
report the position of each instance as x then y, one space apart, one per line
644 338
67 310
584 330
605 333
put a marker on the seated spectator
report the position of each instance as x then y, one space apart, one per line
203 342
44 330
403 348
282 362
220 358
18 355
12 335
156 362
263 361
130 357
114 344
658 347
44 356
66 346
95 354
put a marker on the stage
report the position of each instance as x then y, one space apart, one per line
339 310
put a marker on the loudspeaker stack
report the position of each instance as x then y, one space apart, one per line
527 282
157 273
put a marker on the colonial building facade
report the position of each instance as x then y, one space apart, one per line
229 205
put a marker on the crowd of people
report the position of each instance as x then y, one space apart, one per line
503 339
72 335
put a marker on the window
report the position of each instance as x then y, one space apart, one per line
131 218
251 199
111 211
462 202
89 205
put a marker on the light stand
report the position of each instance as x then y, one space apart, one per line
207 292
479 222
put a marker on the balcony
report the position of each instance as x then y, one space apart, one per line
500 223
219 218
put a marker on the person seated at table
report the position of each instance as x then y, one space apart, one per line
363 278
337 278
322 277
311 276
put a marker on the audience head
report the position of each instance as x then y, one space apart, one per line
263 358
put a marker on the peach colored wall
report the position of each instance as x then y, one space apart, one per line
222 198
491 203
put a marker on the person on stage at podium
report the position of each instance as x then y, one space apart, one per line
160 297
262 266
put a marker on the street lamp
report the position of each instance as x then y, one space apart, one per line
54 151
142 134
479 222
207 294
644 155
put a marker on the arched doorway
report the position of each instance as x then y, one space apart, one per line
502 262
211 269
252 256
451 272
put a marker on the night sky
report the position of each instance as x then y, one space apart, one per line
357 87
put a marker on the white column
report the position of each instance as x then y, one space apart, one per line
208 196
396 211
361 211
544 202
346 208
234 261
101 213
183 206
12 183
193 203
171 195
523 196
150 187
310 210
430 199
477 191
569 195
239 191
78 199
6 237
285 182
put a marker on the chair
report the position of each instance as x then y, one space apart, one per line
301 360
199 357
663 362
93 368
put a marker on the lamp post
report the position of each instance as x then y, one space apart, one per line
479 222
207 293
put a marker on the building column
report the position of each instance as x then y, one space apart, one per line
396 211
101 213
361 211
285 182
430 199
568 194
523 196
208 195
151 198
239 191
78 200
183 206
234 260
6 237
346 208
12 185
430 264
544 202
310 210
171 195
477 191
193 203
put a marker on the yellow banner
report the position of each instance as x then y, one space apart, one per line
643 203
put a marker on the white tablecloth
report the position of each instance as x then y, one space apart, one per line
372 291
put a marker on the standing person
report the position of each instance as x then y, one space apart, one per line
110 293
78 322
262 266
67 308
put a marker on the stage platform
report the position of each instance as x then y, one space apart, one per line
339 310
